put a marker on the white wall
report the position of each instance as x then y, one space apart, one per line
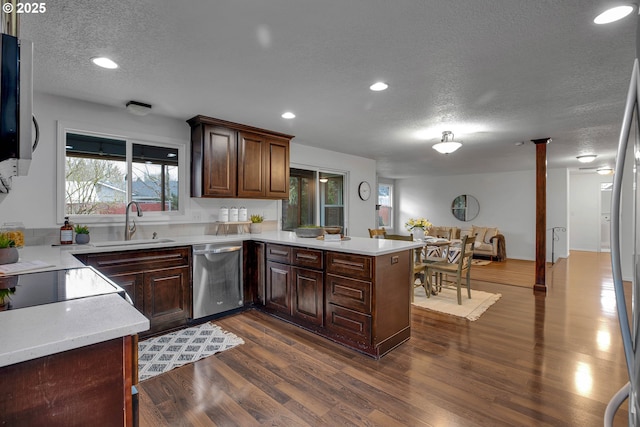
33 197
585 211
361 214
507 201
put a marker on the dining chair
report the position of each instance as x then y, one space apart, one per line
438 272
377 233
408 238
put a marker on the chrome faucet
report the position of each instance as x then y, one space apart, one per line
129 230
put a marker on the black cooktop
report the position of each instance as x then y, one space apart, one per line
54 286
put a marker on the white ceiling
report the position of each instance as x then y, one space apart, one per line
494 72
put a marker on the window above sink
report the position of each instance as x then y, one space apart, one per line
94 169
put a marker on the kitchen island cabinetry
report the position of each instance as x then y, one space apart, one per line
360 301
234 160
89 385
295 283
158 281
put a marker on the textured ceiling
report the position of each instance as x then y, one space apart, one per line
493 72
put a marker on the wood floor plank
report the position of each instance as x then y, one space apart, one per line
529 360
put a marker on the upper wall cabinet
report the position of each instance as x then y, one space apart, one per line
234 160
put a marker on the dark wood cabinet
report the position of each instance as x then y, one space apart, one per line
360 301
295 283
158 281
234 160
213 161
307 291
89 385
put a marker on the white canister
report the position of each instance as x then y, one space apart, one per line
233 214
242 214
223 215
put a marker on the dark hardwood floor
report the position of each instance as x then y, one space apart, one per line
528 361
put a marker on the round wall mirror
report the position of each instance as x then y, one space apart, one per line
465 207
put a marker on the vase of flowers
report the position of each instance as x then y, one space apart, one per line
418 226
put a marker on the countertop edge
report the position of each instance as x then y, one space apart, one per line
71 324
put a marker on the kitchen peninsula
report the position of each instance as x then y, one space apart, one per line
361 299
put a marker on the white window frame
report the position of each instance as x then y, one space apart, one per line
65 127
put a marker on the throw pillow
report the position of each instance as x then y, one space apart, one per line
479 232
489 234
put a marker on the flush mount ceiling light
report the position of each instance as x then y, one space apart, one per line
378 86
587 158
138 108
104 62
604 171
612 15
288 115
446 146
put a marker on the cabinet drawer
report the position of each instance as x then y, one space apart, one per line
139 260
349 293
279 253
358 266
348 323
307 258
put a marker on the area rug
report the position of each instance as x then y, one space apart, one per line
480 262
447 302
161 354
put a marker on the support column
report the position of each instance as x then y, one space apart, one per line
541 214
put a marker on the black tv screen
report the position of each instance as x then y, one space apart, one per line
9 97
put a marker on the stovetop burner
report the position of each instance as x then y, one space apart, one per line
54 286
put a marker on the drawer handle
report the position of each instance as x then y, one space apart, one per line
307 257
350 264
278 252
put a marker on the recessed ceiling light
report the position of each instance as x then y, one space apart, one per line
104 62
612 15
586 158
138 108
288 115
378 86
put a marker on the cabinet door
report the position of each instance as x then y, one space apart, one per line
133 284
277 168
219 162
278 289
307 295
251 165
167 298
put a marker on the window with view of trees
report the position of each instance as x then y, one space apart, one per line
97 171
315 198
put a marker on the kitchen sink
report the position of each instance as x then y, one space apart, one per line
130 242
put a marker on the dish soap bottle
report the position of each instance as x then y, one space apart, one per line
66 232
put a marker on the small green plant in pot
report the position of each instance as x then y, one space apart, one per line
256 223
8 251
82 234
5 294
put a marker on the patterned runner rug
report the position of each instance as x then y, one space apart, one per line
447 302
161 354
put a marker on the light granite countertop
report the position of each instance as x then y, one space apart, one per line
33 332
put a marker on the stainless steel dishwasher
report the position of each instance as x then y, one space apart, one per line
217 278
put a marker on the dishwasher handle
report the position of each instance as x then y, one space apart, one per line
217 250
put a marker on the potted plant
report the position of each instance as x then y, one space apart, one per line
82 234
256 224
5 294
8 251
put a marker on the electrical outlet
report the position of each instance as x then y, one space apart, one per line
196 215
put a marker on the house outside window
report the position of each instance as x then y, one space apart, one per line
96 183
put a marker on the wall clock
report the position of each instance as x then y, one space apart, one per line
364 190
